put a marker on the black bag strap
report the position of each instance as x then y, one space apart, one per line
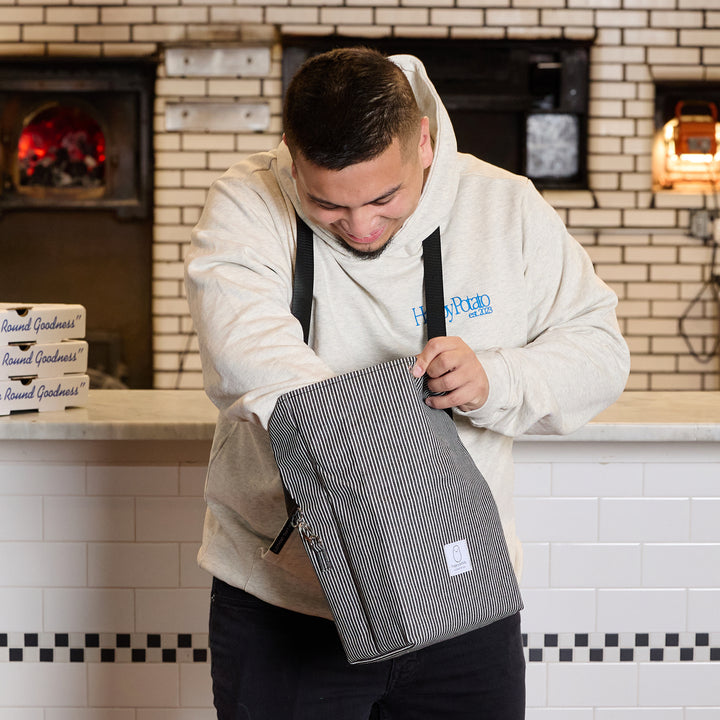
302 295
434 293
301 306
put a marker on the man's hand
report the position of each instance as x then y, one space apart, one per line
452 368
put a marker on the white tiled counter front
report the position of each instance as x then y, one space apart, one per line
103 612
620 524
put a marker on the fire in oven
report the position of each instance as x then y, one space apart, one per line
74 134
60 147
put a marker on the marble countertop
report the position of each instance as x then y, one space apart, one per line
651 417
189 415
120 415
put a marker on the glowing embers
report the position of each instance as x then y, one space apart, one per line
61 148
686 148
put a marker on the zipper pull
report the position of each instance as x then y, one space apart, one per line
313 540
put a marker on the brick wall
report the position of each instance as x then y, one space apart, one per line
638 239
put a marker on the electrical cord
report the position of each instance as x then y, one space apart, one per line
711 286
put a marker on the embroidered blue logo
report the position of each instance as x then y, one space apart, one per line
472 307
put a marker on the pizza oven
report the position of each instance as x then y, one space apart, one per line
76 200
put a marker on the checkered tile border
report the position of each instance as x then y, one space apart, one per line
193 648
622 647
104 647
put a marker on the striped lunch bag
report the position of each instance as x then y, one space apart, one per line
399 524
397 520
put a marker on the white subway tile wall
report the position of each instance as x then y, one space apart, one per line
627 595
103 610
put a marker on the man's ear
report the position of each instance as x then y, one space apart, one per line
425 146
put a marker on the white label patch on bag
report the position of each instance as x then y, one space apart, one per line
457 557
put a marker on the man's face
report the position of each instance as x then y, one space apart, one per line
365 204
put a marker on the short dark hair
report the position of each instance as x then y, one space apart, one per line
346 106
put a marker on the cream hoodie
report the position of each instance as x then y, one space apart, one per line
519 290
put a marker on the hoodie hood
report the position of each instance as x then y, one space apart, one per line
442 180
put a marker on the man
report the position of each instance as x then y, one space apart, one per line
369 162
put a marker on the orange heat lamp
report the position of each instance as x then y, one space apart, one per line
695 132
691 140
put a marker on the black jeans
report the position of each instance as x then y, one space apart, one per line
273 664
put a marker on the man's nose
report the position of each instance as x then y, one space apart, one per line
361 221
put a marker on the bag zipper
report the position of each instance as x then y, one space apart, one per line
313 540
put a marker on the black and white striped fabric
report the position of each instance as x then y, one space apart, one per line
398 522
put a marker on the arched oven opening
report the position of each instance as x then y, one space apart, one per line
76 201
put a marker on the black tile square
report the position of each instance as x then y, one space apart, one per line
123 640
62 640
535 655
3 639
687 654
672 639
47 654
16 654
138 654
550 640
642 639
715 653
612 640
30 640
77 655
169 655
582 639
200 655
107 655
184 640
566 655
657 654
92 640
702 639
153 641
627 654
596 655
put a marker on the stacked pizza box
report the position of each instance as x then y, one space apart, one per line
43 357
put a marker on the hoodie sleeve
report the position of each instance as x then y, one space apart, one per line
238 275
575 362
